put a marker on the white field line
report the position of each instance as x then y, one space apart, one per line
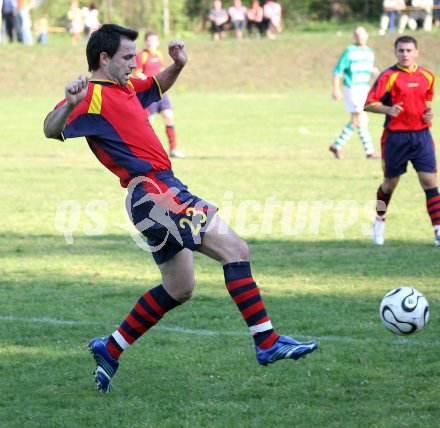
392 340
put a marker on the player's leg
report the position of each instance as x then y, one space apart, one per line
177 287
168 120
412 21
348 129
427 20
221 243
403 22
166 110
396 151
152 109
424 162
428 182
364 134
384 22
383 197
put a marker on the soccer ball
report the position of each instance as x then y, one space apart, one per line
404 311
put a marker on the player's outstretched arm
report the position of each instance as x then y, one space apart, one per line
56 120
166 78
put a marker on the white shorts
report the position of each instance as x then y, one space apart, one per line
355 98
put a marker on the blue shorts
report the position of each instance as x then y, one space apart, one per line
399 147
167 214
163 104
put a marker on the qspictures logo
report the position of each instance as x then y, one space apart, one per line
247 217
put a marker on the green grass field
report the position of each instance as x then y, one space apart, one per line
262 156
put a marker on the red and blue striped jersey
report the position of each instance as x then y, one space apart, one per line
415 89
117 129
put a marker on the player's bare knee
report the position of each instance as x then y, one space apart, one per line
183 291
242 249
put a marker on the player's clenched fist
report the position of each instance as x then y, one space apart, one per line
176 50
76 90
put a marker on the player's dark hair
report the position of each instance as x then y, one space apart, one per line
106 39
405 39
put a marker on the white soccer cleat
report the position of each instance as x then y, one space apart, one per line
437 238
176 154
379 230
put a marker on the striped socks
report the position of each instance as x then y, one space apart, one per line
246 295
147 312
365 137
433 206
344 136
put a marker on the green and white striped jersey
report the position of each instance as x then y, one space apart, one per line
356 65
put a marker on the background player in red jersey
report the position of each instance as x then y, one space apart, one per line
149 62
108 110
404 94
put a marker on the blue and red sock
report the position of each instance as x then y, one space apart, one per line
433 206
246 295
147 312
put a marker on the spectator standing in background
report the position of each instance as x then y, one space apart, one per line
391 11
237 15
24 26
91 19
272 18
75 19
437 13
218 17
9 13
255 18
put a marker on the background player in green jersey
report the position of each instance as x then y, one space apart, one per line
355 67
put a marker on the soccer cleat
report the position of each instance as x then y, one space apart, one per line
437 238
284 348
379 230
373 155
106 365
337 151
176 154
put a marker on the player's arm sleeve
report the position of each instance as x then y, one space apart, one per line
430 92
148 91
342 64
377 91
80 123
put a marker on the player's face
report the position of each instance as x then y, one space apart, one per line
121 65
360 36
152 43
406 54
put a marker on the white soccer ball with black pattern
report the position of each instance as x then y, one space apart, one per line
404 311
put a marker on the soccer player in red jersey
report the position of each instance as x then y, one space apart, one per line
149 62
108 109
404 93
